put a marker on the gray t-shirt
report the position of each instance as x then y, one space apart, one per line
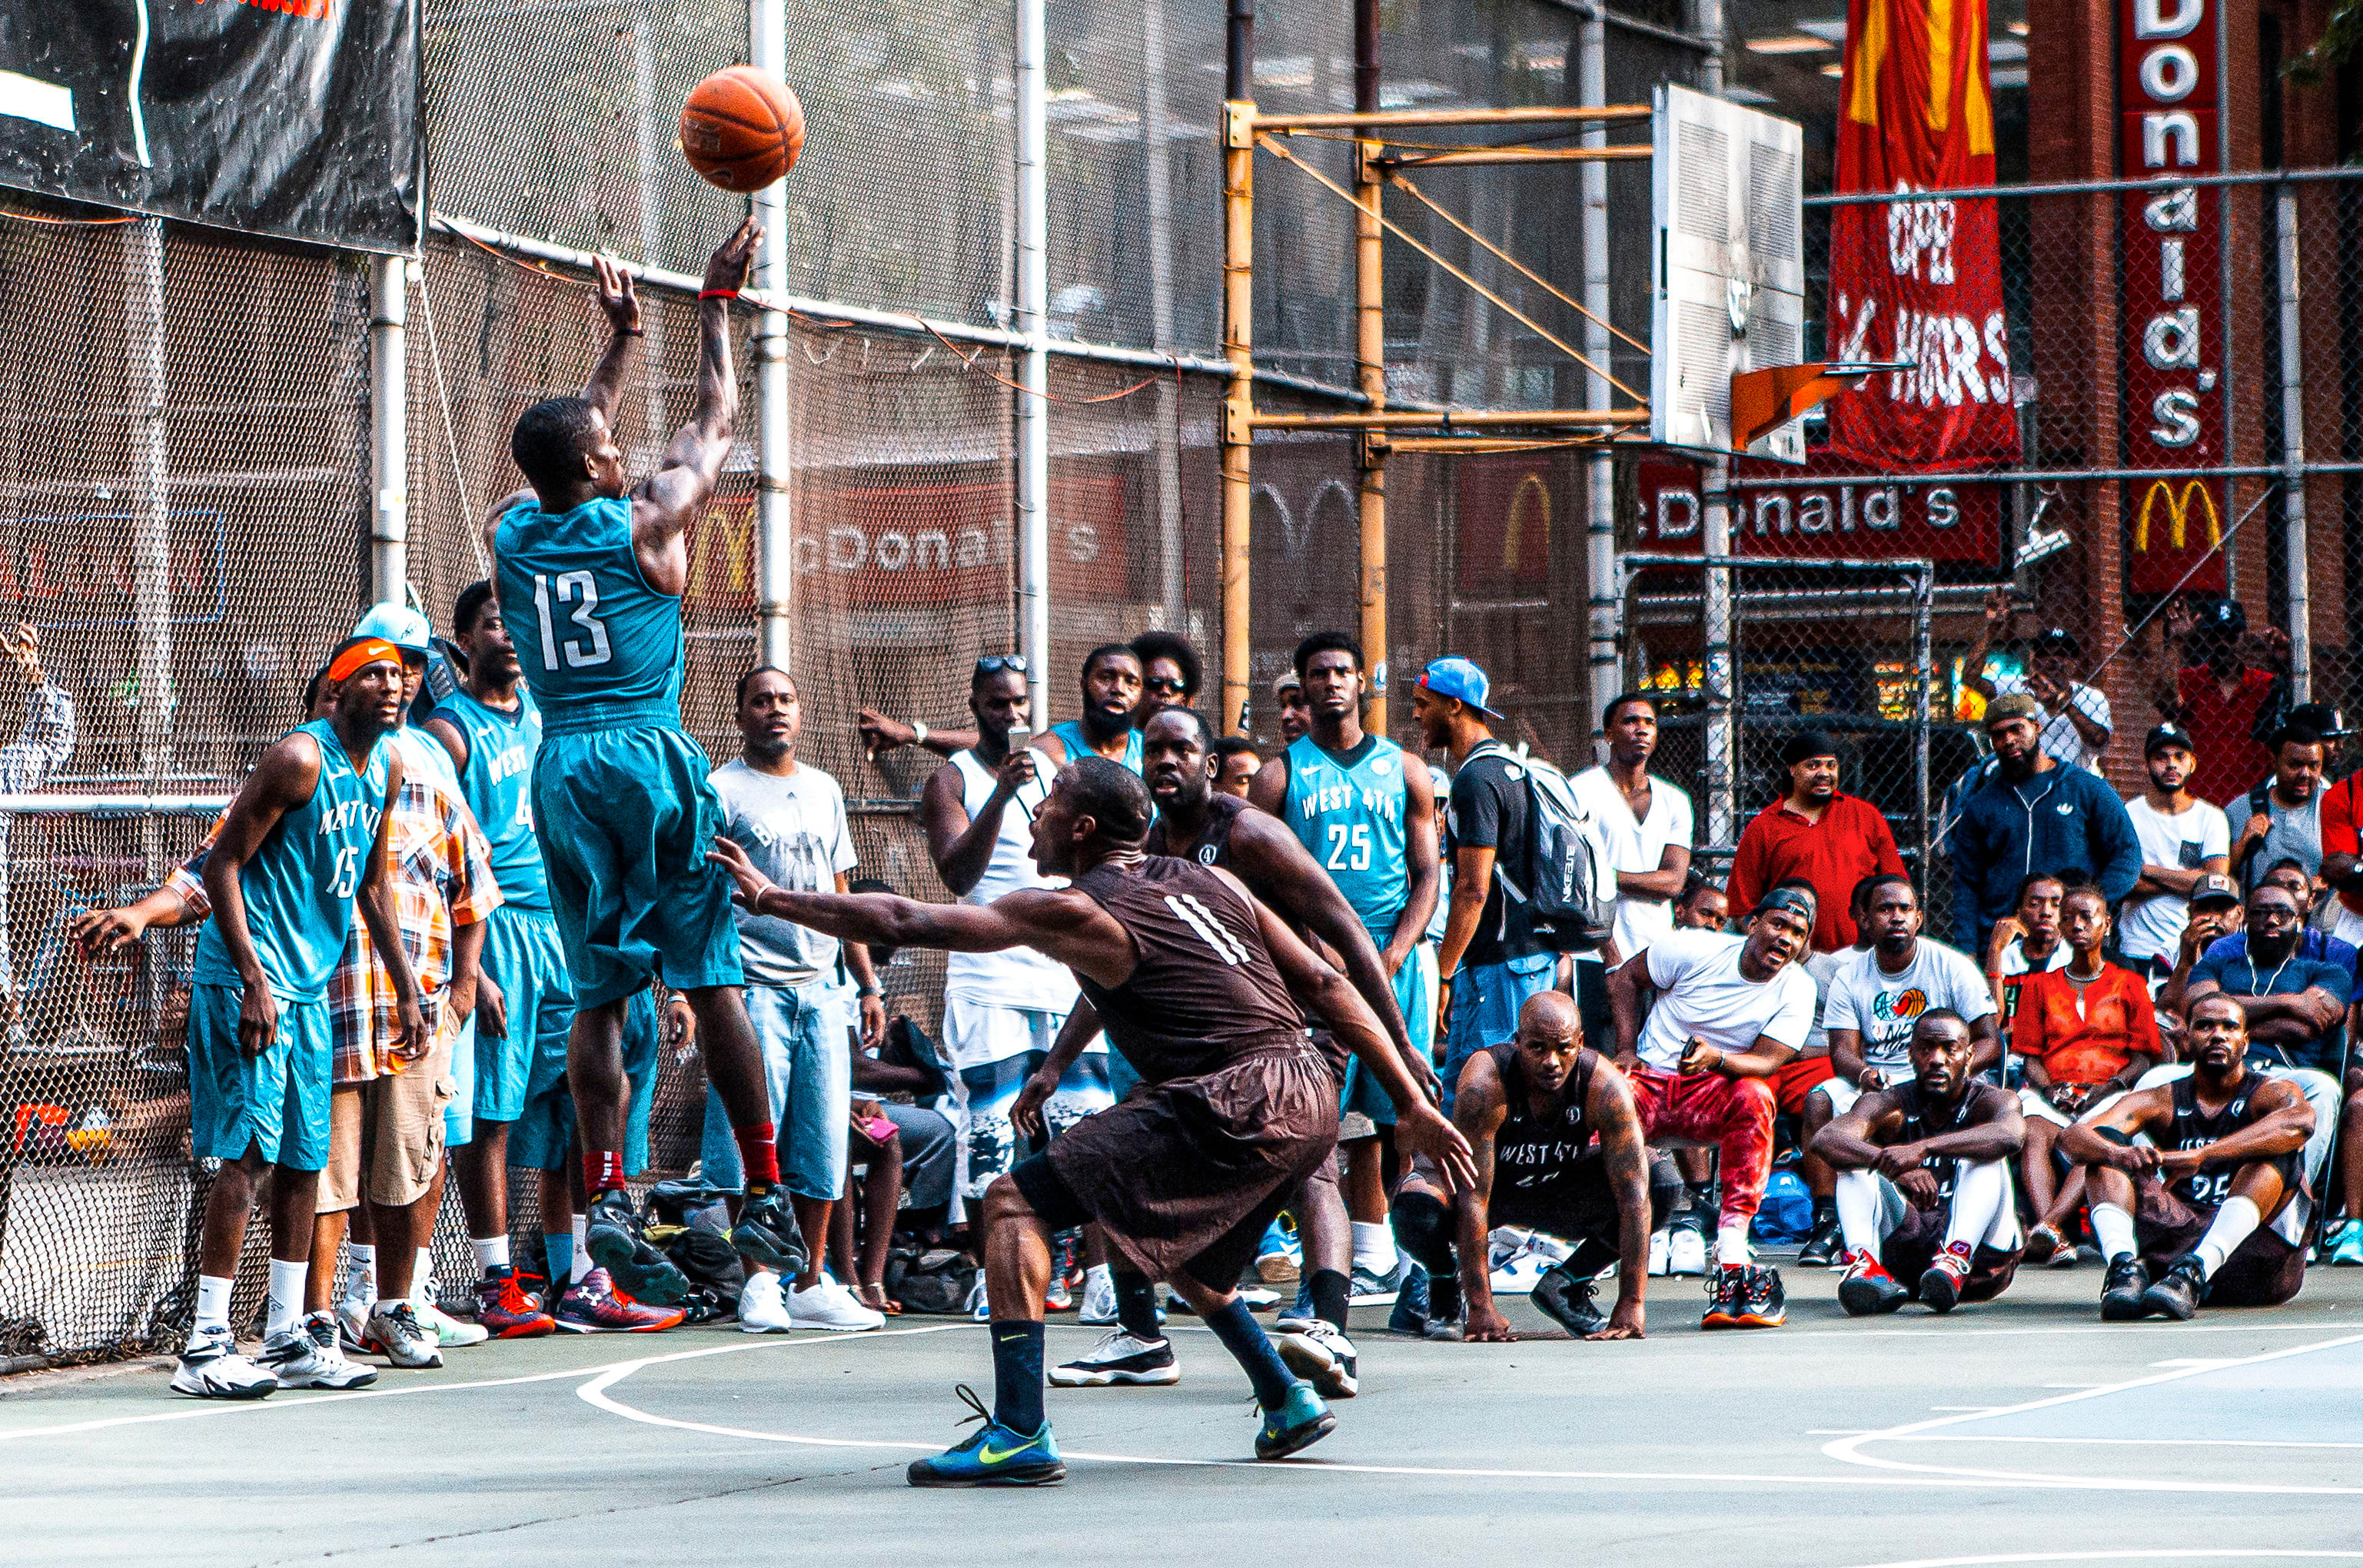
794 829
2296 834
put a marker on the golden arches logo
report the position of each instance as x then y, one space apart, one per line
2177 514
1513 530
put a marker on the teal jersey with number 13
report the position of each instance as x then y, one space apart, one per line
589 629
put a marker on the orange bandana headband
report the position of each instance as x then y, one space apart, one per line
350 662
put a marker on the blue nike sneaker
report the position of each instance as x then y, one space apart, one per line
1301 1421
994 1456
1410 1314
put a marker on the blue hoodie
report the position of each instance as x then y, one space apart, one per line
2063 819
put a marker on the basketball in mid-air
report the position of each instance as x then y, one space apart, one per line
740 129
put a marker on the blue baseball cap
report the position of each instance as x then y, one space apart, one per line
398 624
1460 678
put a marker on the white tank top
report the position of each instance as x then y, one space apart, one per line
1020 977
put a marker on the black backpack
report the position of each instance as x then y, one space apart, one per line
1565 883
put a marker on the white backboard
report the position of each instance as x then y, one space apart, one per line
1728 204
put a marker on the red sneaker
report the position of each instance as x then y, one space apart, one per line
593 1306
505 1312
1868 1289
1940 1287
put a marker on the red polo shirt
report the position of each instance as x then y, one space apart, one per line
1850 843
2231 760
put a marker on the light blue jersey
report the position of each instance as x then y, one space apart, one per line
1079 744
1347 810
602 649
299 886
498 785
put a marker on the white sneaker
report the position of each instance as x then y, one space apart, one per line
762 1310
828 1305
1519 1274
306 1357
1686 1252
403 1340
978 1307
448 1332
1660 1249
1323 1357
352 1323
1099 1295
212 1368
1119 1358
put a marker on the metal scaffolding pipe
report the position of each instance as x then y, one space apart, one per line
1492 155
2295 564
1600 474
389 430
774 531
1033 411
150 499
1391 119
1371 363
1475 418
1239 350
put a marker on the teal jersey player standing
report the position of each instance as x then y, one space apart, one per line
588 569
1347 809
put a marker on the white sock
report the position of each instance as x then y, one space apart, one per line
422 1277
1374 1248
360 1274
2232 1223
581 1249
213 1302
492 1252
1731 1244
1979 1193
1098 1276
2113 1229
1860 1204
286 1297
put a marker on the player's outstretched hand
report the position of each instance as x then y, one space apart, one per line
105 931
734 262
1421 1129
1486 1326
1627 1322
752 884
618 297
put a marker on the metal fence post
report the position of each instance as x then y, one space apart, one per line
1600 510
1923 669
389 430
1239 348
2292 376
774 537
1371 356
1034 362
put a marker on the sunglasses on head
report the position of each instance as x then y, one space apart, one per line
993 663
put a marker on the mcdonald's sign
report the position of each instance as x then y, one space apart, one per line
1506 510
2179 506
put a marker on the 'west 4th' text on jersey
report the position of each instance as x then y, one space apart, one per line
299 886
498 784
1347 809
602 649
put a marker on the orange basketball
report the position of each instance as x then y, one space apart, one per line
740 129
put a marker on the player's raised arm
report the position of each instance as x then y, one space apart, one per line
668 499
622 303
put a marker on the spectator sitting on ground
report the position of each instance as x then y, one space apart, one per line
2025 941
2034 813
2282 816
2218 694
2084 1033
2182 839
1239 766
2076 722
1831 840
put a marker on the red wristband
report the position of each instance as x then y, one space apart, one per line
718 293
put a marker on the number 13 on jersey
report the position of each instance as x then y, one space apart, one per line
589 647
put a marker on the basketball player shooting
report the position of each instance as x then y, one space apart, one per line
1206 992
591 568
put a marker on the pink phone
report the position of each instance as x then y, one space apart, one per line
877 1128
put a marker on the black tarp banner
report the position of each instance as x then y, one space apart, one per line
295 119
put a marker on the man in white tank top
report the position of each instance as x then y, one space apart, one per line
1002 1010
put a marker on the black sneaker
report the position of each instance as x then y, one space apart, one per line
1567 1300
620 1244
2125 1295
767 1231
1826 1248
1758 1302
2180 1293
1721 1298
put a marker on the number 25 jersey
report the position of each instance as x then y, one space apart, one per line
600 649
1347 809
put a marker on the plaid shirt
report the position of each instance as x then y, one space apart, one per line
443 879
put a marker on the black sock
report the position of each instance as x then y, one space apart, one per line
1824 1209
1701 1196
1135 1304
1444 1297
1249 1346
1591 1255
1331 1293
1017 1375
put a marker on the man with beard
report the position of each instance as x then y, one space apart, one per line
2210 1206
1116 700
2033 814
1924 1179
1197 825
1201 989
1817 833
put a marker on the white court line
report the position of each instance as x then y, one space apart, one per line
1848 1449
2146 1554
189 1409
2139 1441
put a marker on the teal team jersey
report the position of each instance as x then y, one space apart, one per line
1347 810
498 786
299 886
602 649
1071 736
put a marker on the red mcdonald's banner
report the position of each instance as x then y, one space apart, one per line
1919 280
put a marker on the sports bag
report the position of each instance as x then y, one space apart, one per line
1567 884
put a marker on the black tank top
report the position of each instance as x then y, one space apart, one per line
1205 992
2195 1129
1978 1106
1535 1156
1211 845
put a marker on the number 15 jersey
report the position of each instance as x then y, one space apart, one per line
600 649
1347 809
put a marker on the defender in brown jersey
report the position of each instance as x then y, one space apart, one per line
1205 992
1924 1189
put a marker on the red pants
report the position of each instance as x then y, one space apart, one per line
1707 1108
1793 1083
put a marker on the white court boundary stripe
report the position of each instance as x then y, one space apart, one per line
1848 1449
191 1409
2149 1554
595 1393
